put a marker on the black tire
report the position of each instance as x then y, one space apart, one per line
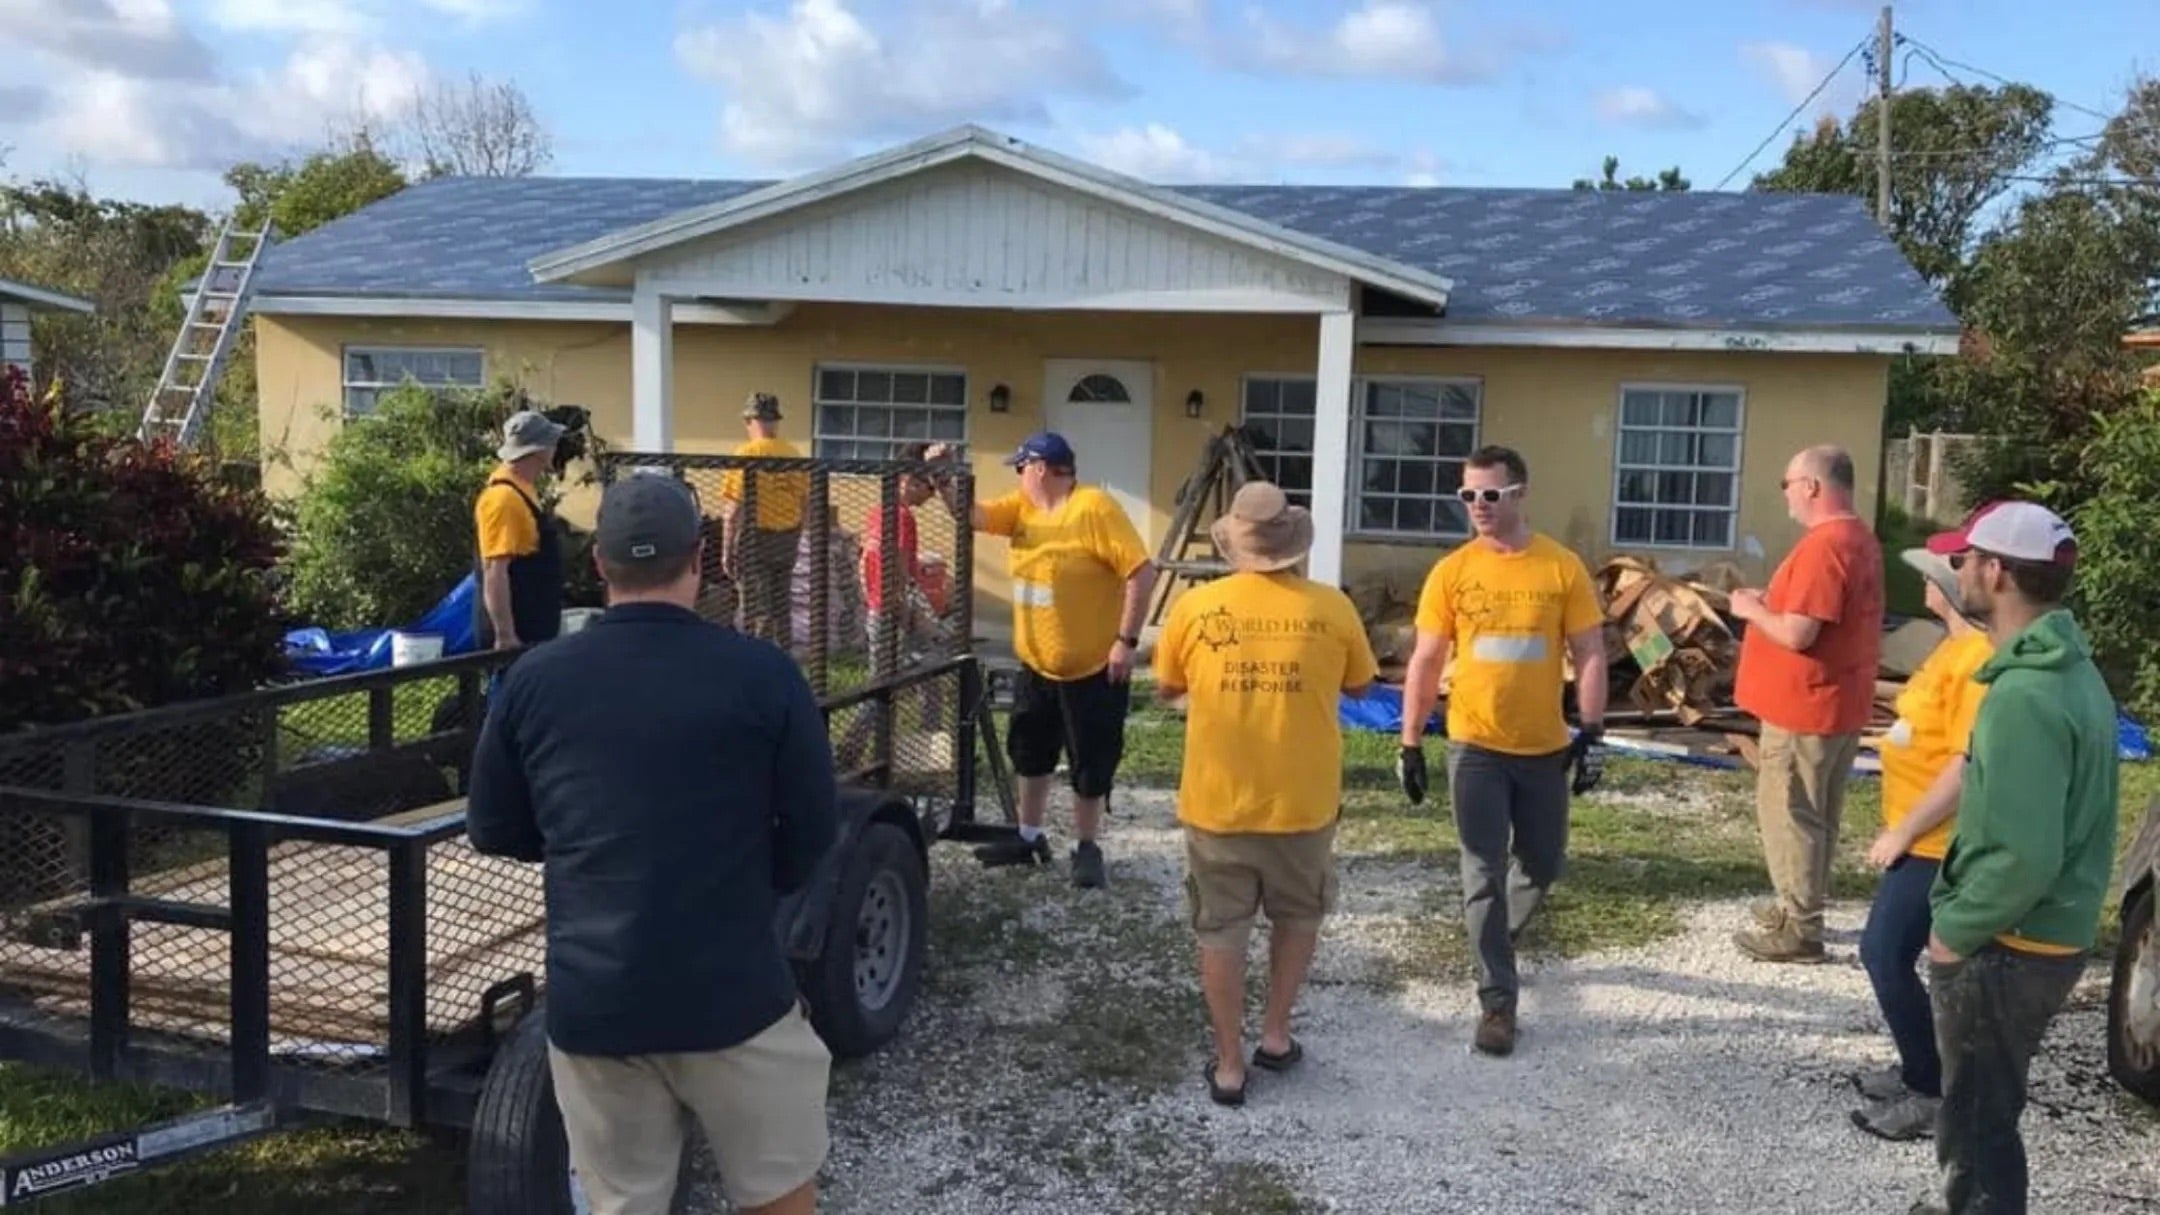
2134 1064
518 1162
885 882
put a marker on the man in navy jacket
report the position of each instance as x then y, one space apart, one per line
674 779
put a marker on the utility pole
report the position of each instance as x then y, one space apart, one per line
1882 119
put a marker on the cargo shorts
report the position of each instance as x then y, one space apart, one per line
1231 878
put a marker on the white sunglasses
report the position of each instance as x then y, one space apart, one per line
1487 495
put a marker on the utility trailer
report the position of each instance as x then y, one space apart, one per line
2134 986
269 899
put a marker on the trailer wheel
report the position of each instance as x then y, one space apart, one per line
862 985
2134 1000
519 1161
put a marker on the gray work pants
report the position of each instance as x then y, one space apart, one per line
1511 812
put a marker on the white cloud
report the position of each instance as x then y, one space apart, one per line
328 17
1636 106
1390 39
1155 153
803 88
128 84
1423 168
135 38
1795 70
478 12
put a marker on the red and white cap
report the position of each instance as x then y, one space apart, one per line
2021 531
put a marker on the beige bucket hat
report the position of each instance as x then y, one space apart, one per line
1262 532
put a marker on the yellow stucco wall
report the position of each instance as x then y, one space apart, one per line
1558 407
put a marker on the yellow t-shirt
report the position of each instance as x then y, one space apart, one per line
1939 704
502 521
1069 568
780 495
1262 658
1508 617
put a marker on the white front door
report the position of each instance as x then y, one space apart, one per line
1105 409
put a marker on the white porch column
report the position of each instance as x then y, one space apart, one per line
1331 446
652 370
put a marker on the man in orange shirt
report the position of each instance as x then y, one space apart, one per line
1508 604
1807 672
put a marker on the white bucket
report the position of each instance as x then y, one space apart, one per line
575 619
406 649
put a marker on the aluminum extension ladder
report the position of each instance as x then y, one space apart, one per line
187 389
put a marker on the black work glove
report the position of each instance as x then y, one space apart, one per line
1586 758
1410 770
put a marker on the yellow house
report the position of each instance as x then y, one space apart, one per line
1655 357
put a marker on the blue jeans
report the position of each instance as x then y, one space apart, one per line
1897 933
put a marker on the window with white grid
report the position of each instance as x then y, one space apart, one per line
371 371
868 413
1676 479
1279 421
1408 441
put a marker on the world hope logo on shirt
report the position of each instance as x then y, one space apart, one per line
1221 630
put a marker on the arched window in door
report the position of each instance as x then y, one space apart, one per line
1099 388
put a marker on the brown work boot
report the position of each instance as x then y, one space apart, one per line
1780 944
1496 1032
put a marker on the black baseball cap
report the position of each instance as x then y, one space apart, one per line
647 517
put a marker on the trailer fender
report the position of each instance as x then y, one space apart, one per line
2143 859
805 913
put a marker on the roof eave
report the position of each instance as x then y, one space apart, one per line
43 299
579 262
1736 338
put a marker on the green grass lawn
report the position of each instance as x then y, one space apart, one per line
1635 861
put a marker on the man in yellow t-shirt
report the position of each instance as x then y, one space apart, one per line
1262 655
1923 771
1506 605
759 554
517 548
1081 578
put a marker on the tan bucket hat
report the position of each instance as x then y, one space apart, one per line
1262 532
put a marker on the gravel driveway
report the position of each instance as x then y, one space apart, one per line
1053 1065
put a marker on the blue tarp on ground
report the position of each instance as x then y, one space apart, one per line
1381 709
321 652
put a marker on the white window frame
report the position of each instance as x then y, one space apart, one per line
346 383
1620 467
1353 493
819 437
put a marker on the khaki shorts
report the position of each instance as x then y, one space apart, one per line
1230 878
761 1104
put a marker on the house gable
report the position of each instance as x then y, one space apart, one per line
976 234
1097 204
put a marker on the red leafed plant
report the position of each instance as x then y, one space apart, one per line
129 575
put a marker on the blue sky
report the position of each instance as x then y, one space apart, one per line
147 98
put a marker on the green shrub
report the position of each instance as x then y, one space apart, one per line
2118 581
384 527
130 576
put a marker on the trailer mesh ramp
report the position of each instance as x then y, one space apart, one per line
812 555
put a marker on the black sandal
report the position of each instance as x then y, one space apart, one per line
1278 1063
1220 1095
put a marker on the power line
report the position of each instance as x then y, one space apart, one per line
1796 112
1943 63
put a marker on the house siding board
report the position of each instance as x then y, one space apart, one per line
15 335
1696 259
981 234
1558 407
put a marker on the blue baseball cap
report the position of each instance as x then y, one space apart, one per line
1046 445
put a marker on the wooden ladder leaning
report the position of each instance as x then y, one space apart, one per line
1188 551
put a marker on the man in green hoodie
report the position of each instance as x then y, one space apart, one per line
2017 901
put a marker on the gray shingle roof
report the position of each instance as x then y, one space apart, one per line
1516 256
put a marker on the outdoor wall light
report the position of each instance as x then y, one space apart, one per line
1194 402
1000 399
